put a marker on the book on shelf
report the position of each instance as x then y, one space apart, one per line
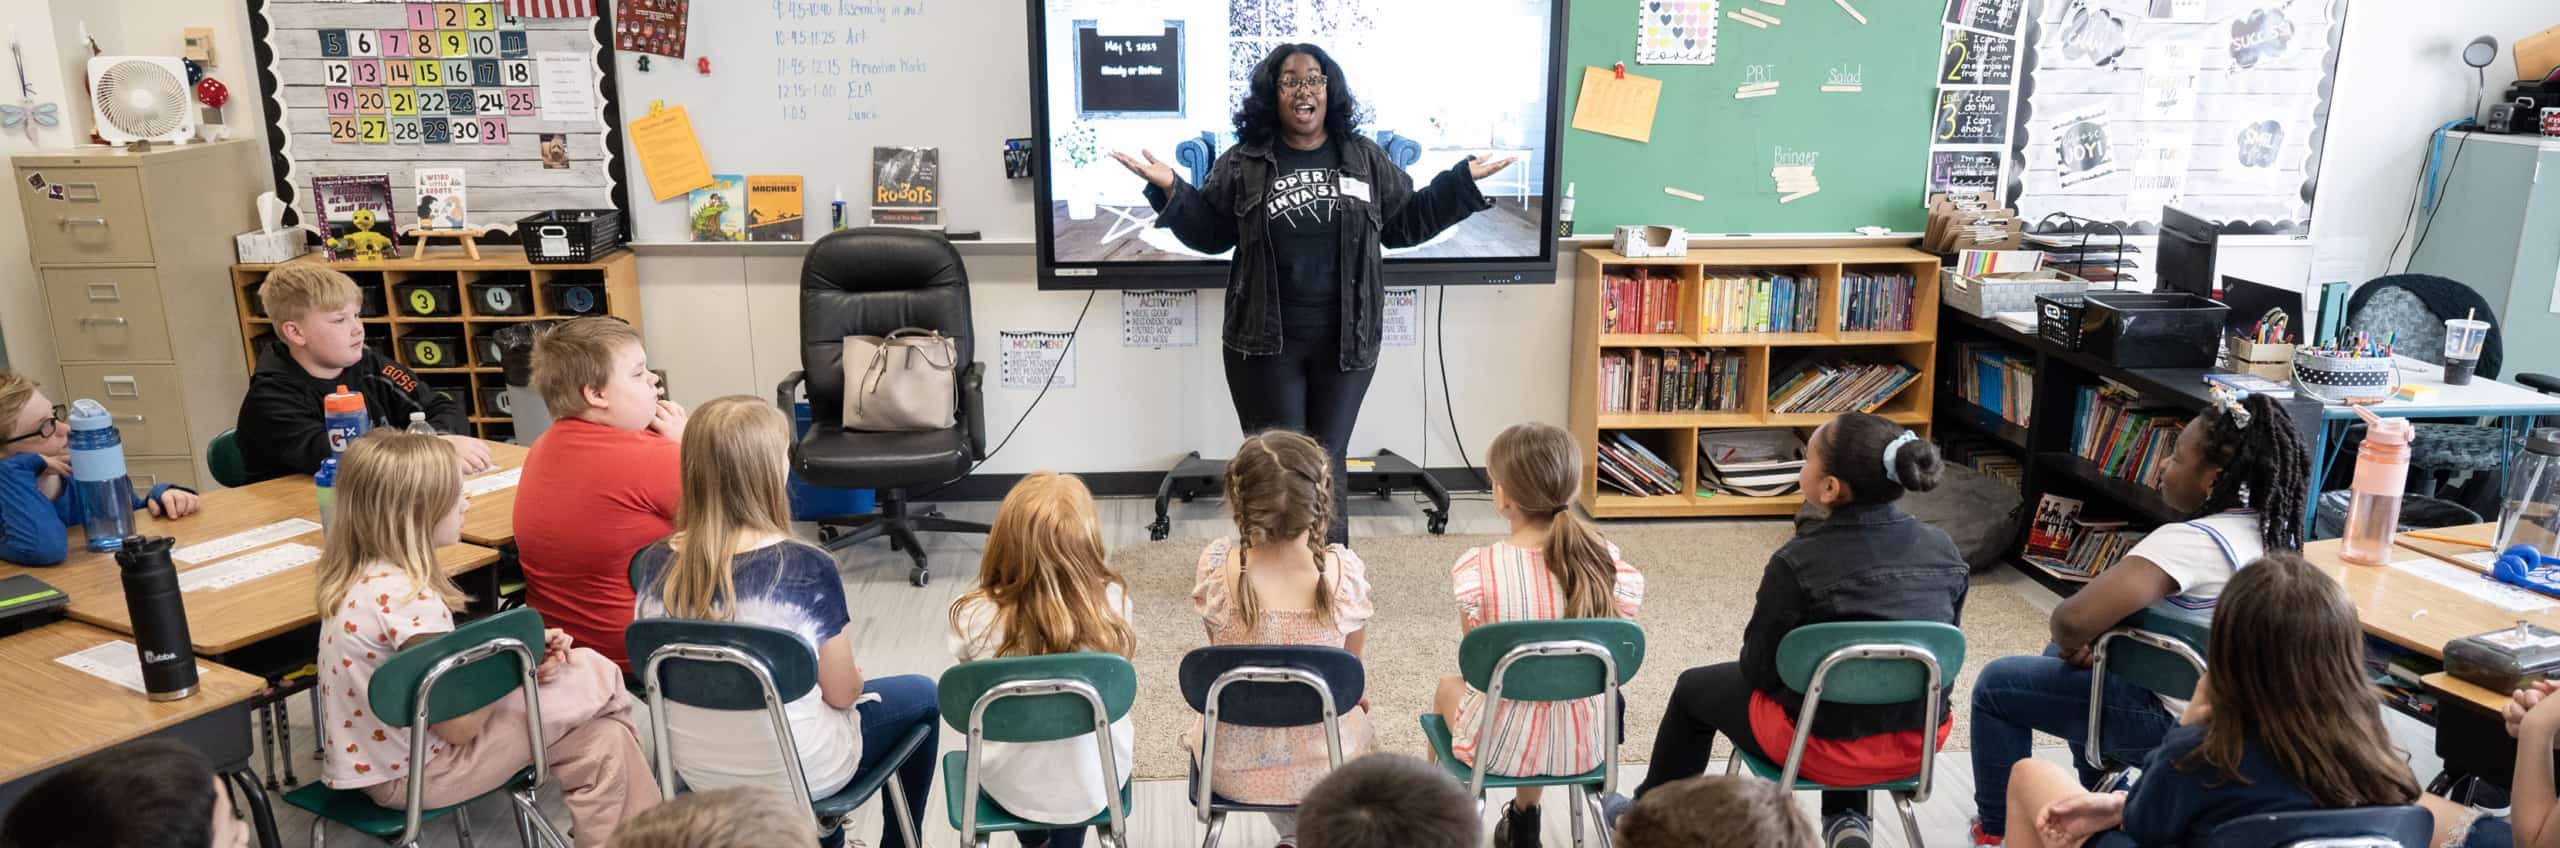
1628 466
2001 467
1758 302
2125 441
1670 380
1823 384
1995 378
2050 534
1872 302
1640 300
2070 544
2249 384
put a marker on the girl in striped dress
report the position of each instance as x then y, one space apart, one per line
1554 565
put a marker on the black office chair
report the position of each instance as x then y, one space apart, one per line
871 281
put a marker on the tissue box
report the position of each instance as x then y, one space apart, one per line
267 247
1645 242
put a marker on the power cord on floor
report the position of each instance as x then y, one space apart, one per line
1063 353
1440 344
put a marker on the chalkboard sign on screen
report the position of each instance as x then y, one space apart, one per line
1122 75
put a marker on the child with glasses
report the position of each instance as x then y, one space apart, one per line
38 505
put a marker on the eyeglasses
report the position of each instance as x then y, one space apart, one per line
44 430
1303 82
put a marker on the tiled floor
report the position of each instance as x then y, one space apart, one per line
899 631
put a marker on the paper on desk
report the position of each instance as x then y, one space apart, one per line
476 486
2476 585
114 661
670 155
1619 107
208 551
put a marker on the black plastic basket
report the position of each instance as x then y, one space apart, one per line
570 235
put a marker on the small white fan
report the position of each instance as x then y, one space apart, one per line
141 99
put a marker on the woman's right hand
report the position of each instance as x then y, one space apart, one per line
1157 173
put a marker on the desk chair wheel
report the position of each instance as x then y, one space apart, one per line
1437 521
1188 495
919 577
1159 529
828 533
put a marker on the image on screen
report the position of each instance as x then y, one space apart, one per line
1436 80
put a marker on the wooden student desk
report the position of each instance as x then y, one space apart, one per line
491 520
222 621
2421 615
58 714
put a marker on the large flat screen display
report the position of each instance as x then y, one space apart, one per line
1436 81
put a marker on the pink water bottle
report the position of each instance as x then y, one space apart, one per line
2382 471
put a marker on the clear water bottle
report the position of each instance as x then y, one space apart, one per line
97 473
324 481
2382 472
2530 515
418 424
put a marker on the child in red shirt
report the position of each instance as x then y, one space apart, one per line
599 485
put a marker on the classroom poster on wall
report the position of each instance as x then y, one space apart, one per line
2217 107
1160 318
1676 32
1033 358
1977 84
1403 317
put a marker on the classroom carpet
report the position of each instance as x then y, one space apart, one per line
1699 583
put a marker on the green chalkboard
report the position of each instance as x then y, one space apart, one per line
1870 146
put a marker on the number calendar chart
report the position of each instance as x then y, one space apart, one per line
390 87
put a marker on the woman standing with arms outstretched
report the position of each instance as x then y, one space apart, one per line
1309 205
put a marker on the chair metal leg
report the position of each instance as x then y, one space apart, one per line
319 832
906 819
462 826
1733 764
1217 828
284 738
529 810
264 721
1910 823
1573 804
319 743
1600 816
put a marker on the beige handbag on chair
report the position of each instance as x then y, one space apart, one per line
906 381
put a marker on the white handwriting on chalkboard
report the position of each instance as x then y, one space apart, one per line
1804 158
1136 71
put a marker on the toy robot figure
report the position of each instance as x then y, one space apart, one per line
365 244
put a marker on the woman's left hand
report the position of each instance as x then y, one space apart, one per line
1478 168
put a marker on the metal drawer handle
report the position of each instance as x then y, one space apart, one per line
102 319
106 292
135 418
92 196
131 388
94 222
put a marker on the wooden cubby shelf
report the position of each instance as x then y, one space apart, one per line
1675 434
467 376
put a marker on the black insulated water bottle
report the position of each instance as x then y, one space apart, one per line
159 612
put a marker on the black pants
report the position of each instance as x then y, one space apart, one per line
1709 700
1304 388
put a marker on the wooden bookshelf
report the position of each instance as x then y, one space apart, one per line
1675 434
467 376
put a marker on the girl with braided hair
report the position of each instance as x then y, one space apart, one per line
1553 565
1279 583
2242 476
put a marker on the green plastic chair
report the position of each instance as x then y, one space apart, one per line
2158 652
1876 662
1032 699
449 676
222 455
748 667
1558 660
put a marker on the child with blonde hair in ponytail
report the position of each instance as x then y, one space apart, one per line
732 558
1866 561
1554 565
1045 587
1279 583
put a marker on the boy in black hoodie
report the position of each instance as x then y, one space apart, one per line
319 346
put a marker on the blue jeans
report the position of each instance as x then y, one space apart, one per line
2016 696
906 702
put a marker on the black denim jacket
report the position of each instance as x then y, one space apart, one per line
1227 212
1864 563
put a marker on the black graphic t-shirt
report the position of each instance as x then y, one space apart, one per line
1306 234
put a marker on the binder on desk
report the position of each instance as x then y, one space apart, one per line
2333 311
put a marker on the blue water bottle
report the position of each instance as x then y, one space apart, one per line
327 480
97 473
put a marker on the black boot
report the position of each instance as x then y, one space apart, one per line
1519 827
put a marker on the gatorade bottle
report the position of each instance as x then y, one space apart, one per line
2382 470
97 473
324 480
343 412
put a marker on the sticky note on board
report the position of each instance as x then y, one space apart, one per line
1610 105
670 155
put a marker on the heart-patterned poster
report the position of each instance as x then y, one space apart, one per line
1676 32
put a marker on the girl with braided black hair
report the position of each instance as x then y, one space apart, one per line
2241 474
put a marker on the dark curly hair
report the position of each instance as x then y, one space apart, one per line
1258 120
2264 467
